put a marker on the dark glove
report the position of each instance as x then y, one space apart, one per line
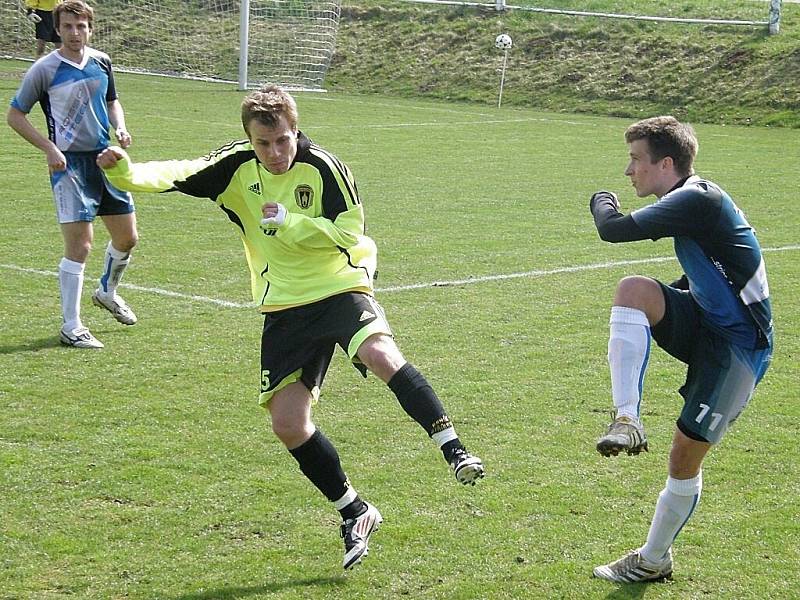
602 196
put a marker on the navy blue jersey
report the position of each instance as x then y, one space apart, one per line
720 256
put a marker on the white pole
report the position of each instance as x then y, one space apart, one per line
500 5
244 42
502 78
774 16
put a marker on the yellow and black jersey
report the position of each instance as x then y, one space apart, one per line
320 250
48 5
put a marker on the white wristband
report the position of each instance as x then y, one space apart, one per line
277 220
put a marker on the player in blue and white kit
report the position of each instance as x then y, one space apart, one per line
716 319
75 87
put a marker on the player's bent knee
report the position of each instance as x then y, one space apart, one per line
132 242
291 433
290 414
635 284
636 291
381 355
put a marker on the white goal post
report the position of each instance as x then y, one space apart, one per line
249 42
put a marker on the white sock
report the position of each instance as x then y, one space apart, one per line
628 354
115 263
675 505
349 495
444 436
70 281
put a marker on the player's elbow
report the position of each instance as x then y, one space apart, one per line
13 116
609 234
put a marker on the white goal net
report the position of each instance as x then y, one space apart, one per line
289 42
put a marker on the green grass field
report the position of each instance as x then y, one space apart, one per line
147 471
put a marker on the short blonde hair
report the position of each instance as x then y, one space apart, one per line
267 105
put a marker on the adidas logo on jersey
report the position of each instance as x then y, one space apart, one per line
255 188
366 315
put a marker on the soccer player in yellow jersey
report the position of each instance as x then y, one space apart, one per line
40 13
299 215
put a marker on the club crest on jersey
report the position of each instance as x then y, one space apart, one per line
304 196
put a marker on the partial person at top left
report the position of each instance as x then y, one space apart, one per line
40 13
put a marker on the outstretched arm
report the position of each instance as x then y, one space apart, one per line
154 176
110 157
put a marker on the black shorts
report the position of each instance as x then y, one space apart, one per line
721 376
46 29
297 344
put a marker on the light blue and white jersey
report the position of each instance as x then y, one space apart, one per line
73 98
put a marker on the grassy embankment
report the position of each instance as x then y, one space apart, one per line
711 73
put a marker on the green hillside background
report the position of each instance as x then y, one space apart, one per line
721 74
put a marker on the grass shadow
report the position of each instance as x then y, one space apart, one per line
234 593
630 591
32 345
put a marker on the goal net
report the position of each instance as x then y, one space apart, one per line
289 42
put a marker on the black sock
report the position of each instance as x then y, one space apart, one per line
319 461
418 399
448 448
356 508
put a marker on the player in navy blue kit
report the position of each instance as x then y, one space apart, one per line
716 319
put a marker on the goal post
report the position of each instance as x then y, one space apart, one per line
244 43
774 16
249 42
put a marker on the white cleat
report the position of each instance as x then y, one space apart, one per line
116 306
632 568
80 337
467 468
356 534
624 435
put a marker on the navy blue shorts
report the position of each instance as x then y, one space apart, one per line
721 376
